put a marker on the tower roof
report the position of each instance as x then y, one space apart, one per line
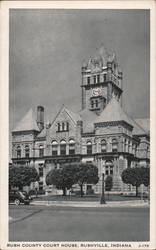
114 112
28 122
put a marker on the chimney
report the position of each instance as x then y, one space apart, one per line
40 117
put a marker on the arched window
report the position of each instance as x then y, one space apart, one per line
71 147
41 151
114 145
108 168
18 152
63 147
103 146
89 147
54 148
27 151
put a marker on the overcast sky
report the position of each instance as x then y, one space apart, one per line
47 48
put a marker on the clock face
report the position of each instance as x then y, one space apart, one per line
96 92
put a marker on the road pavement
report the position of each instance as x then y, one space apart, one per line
65 223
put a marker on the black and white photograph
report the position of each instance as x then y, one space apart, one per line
79 137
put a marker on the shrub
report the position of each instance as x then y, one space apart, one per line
90 191
78 192
41 191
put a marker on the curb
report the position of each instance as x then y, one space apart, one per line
92 204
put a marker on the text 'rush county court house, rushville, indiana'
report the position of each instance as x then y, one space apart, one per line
102 132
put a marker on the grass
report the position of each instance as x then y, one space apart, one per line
93 198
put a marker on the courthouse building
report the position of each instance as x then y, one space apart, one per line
102 132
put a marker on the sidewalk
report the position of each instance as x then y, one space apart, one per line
134 203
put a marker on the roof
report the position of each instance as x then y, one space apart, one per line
42 134
114 112
28 122
74 116
144 123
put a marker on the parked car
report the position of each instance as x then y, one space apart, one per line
27 195
18 197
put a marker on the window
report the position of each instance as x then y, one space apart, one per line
61 127
89 147
71 147
58 127
129 146
88 80
54 148
18 152
103 146
40 171
63 148
92 104
104 77
94 79
98 78
67 128
96 103
125 144
109 168
114 145
27 151
41 151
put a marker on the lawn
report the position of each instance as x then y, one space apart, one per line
94 198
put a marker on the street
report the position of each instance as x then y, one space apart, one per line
54 223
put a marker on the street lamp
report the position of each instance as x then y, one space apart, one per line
102 200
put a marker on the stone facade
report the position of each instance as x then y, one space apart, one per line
101 132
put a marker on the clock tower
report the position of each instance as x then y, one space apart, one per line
101 80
